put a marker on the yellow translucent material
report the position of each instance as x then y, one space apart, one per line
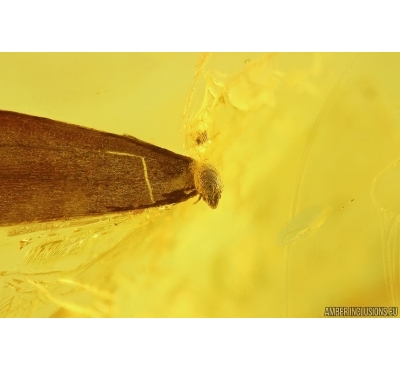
308 150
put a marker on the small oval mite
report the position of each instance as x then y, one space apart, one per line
208 183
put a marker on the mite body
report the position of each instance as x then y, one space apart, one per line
52 170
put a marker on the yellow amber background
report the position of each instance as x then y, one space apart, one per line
307 145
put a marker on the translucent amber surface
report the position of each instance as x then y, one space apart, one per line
308 150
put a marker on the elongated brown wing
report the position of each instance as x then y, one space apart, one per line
52 170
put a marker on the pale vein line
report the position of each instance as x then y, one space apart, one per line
146 177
